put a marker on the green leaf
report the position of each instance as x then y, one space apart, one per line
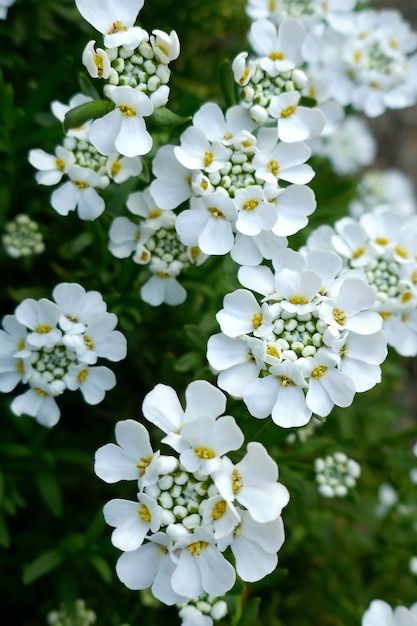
50 491
166 118
227 83
42 565
102 567
250 613
79 115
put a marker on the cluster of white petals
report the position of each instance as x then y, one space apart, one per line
391 188
134 65
247 191
380 613
382 246
336 475
153 243
191 507
311 341
202 611
82 171
52 346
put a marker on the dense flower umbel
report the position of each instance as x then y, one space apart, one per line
54 346
380 613
310 343
22 237
384 247
152 242
247 190
189 509
81 169
336 475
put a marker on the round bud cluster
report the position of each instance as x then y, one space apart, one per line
212 607
85 155
336 475
22 237
76 615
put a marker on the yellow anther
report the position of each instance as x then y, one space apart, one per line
127 110
285 381
237 483
358 252
154 214
41 392
98 60
318 372
272 351
357 56
381 241
20 366
298 300
116 27
219 510
204 453
276 56
163 275
216 213
273 167
385 315
343 351
288 111
374 85
195 252
162 49
21 344
197 547
250 205
72 318
42 329
137 237
60 163
88 342
81 184
406 296
339 316
115 168
82 376
208 158
143 463
257 320
144 513
401 252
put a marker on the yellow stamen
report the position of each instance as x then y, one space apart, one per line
162 49
197 547
318 372
208 158
276 56
401 252
81 184
204 453
116 27
82 376
273 167
115 168
98 60
41 392
406 296
20 366
257 320
298 300
381 241
60 163
43 329
219 510
216 213
144 513
339 316
285 381
143 463
288 111
88 342
237 483
127 110
272 351
358 252
154 214
385 315
250 205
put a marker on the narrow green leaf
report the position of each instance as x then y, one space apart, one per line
42 565
79 115
50 491
166 118
227 83
102 567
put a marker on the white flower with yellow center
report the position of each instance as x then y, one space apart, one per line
295 122
279 49
39 401
114 20
96 61
132 520
123 130
99 340
93 382
77 306
79 193
166 47
172 185
41 318
52 167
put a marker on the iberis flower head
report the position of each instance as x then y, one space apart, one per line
384 248
380 613
186 510
52 346
309 342
247 191
149 237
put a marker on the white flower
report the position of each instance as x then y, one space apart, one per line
132 520
200 566
209 224
99 340
77 306
39 401
172 186
379 613
166 47
114 20
242 314
123 130
79 193
196 152
132 458
336 474
96 61
279 161
93 382
41 317
120 169
51 167
59 109
163 288
255 212
151 565
295 123
255 546
253 483
279 51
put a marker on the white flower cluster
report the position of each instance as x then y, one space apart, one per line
336 475
153 242
22 237
76 615
309 12
391 188
189 510
81 167
135 65
54 346
380 612
271 84
383 247
202 611
247 191
311 342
